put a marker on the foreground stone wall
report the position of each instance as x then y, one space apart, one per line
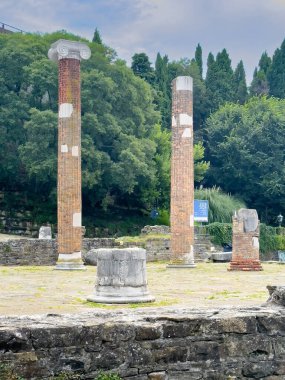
153 344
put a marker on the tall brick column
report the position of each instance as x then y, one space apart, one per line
182 175
68 54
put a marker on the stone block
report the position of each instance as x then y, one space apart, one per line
121 276
45 232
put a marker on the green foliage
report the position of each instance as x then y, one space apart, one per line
271 238
240 84
252 135
221 205
97 37
276 73
219 81
199 59
141 67
259 85
108 376
7 372
221 233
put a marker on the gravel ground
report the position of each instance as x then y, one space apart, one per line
40 290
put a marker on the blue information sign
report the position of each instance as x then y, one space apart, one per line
201 208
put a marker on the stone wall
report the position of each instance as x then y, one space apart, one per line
44 252
41 251
152 344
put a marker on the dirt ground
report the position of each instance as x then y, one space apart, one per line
40 290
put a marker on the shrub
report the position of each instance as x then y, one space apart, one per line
221 233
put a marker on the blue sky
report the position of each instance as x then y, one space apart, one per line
245 28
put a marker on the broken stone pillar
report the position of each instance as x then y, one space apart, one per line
121 276
69 54
245 246
182 175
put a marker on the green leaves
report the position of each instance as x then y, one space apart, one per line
246 145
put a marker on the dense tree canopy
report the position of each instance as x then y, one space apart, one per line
246 144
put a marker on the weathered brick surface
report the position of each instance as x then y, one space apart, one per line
182 172
245 255
69 165
184 344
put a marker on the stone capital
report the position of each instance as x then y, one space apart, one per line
68 49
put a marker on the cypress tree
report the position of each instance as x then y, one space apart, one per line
219 81
259 85
199 59
162 85
276 73
97 37
240 84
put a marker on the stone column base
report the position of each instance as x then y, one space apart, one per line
70 261
245 265
122 299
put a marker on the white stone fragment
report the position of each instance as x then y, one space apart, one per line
45 232
185 119
174 124
191 220
64 148
65 110
187 133
77 219
74 151
184 83
255 242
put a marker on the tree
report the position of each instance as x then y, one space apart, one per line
246 146
219 81
240 84
141 67
163 95
97 37
276 73
199 59
260 84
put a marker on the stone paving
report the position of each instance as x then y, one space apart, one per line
40 290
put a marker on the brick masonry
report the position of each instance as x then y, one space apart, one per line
182 173
245 247
69 215
69 165
165 344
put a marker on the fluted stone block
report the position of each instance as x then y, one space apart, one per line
121 276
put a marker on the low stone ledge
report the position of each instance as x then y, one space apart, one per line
166 343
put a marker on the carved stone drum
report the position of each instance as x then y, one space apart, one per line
121 276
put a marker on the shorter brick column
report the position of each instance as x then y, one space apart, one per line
68 54
182 175
245 251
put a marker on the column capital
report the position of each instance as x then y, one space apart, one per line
68 49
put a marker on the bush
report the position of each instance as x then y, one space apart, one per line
221 233
271 239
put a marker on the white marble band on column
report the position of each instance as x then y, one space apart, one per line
184 84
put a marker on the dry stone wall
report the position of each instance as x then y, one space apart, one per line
165 344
